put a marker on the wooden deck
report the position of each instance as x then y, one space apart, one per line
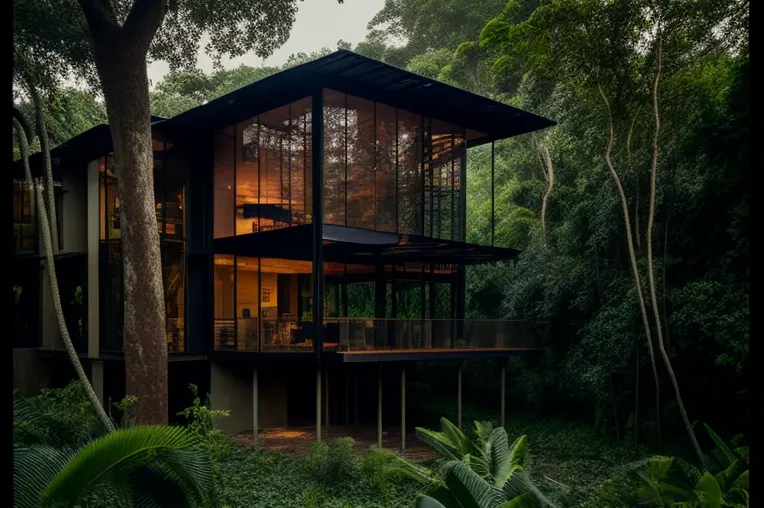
297 440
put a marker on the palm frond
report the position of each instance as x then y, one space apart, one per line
34 467
122 457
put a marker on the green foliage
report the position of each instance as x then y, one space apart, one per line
261 478
334 462
149 466
55 417
485 471
201 423
670 481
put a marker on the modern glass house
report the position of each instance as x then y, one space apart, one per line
311 224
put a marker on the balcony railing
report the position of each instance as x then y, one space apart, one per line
356 335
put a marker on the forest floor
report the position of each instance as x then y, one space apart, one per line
569 462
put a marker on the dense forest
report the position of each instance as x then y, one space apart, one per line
651 101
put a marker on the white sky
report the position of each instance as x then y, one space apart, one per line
318 24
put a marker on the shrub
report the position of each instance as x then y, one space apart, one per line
335 462
378 467
201 423
314 496
55 417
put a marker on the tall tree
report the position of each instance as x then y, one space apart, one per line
108 42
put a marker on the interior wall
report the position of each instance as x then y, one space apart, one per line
74 185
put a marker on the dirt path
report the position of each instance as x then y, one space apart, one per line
296 440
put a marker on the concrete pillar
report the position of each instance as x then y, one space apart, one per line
326 399
347 402
318 403
93 242
255 409
355 401
379 407
503 394
459 395
403 407
96 378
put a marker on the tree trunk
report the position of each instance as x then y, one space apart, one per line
633 259
125 87
51 262
42 133
550 185
650 268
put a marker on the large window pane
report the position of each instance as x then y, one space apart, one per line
409 172
385 161
335 157
361 164
247 303
223 297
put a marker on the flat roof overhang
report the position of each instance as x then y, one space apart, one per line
359 246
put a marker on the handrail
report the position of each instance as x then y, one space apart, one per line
373 334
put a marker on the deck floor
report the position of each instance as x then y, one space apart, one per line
297 440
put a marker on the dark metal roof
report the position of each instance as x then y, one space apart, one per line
358 75
84 147
362 246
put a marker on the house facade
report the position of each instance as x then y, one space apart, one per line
313 238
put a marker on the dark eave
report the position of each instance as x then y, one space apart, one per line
354 245
364 77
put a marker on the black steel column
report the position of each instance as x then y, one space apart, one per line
200 327
380 305
317 182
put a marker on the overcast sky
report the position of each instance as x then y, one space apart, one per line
319 23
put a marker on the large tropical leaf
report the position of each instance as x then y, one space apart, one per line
450 444
497 456
428 502
721 446
708 491
470 489
456 436
416 472
129 460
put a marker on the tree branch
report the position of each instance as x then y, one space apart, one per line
632 256
144 20
101 19
651 269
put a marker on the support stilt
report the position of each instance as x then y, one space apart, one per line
255 408
355 401
379 408
503 394
403 407
318 403
347 402
326 400
459 396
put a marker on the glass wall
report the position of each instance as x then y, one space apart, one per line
263 172
387 169
169 196
24 218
